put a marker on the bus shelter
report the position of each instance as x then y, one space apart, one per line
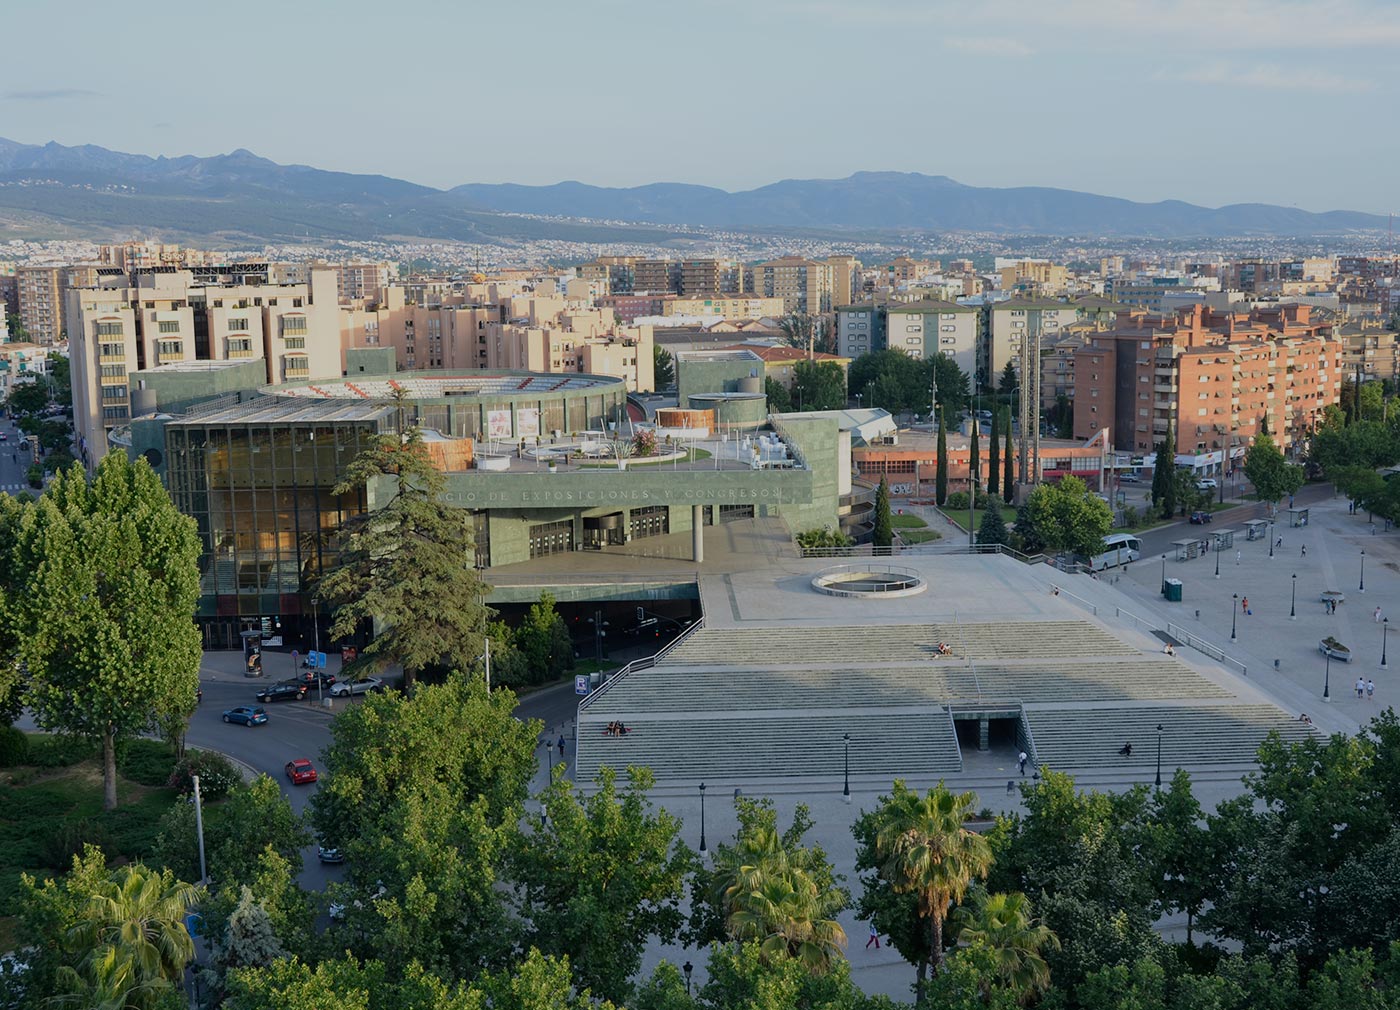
1256 529
1221 539
1297 517
1188 549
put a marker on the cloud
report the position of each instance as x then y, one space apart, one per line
48 94
985 45
1269 76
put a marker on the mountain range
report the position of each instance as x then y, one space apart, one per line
89 190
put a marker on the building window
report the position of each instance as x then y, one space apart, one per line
109 329
114 371
293 324
240 324
168 326
295 343
170 348
113 350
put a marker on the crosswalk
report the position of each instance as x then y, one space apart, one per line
15 487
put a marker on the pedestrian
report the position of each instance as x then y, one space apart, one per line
1278 542
874 938
1021 762
1010 786
1305 550
1244 605
1237 557
1377 616
1360 688
561 746
1370 689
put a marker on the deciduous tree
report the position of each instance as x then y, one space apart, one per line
107 622
1272 476
1066 517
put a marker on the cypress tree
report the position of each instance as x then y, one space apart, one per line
883 534
994 457
940 485
1164 475
974 462
1264 425
1008 460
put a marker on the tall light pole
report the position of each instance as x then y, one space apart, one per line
1159 755
199 828
1385 635
1164 575
846 791
1234 613
702 817
1293 603
1217 562
316 630
687 968
1362 587
1327 679
1271 538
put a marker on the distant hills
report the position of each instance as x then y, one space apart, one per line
89 191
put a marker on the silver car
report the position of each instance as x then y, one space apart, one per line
349 687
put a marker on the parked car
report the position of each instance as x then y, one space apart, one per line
246 714
287 690
1200 518
1206 484
301 771
349 687
1129 478
330 855
309 678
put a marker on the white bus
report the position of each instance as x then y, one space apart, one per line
1118 549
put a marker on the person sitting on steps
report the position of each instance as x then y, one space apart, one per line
1303 718
944 649
1126 750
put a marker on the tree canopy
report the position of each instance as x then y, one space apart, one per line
1067 517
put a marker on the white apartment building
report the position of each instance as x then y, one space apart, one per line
923 329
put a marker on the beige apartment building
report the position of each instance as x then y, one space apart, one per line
845 279
925 328
41 310
1034 277
362 280
725 306
1008 325
22 362
133 322
904 269
805 286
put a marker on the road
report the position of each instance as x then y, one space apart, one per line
14 459
1157 542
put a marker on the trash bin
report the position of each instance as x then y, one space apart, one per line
1173 590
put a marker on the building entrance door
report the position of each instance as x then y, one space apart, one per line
603 531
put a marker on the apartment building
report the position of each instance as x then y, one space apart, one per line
40 291
904 269
657 277
845 279
619 273
22 362
861 329
923 329
1031 276
1213 375
804 285
581 342
362 280
1007 326
1371 348
780 362
128 322
725 306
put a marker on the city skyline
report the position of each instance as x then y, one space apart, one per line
1174 99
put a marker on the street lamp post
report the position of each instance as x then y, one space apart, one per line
1385 634
687 968
199 827
1362 587
1234 616
846 790
316 630
1271 538
702 817
1159 755
1164 575
1293 603
1327 680
1217 562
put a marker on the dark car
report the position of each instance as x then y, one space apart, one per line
309 678
287 690
1200 518
246 714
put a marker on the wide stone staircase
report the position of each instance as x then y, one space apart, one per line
1192 735
1139 678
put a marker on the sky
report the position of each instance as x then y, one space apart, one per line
1292 102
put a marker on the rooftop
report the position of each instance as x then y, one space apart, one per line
441 384
277 410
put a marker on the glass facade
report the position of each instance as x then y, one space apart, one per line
262 498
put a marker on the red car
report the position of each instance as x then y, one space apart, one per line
301 771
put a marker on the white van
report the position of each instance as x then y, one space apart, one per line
1118 549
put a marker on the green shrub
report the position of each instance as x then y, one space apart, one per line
147 762
959 500
67 840
14 747
217 774
53 750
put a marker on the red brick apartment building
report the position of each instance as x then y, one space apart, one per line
1213 374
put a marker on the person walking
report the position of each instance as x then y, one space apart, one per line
1238 555
1021 762
561 746
1377 615
1244 606
1305 550
1360 688
1370 689
874 938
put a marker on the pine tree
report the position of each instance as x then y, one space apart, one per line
1008 460
992 529
974 464
994 457
940 484
883 534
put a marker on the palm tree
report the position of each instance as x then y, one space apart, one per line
133 931
770 892
1004 923
923 847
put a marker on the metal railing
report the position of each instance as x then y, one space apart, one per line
1030 739
953 729
645 663
1059 590
1137 621
901 579
934 547
1201 645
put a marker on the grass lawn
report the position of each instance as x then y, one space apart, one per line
907 522
960 516
636 461
47 812
919 536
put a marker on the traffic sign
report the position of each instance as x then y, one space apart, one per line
581 684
